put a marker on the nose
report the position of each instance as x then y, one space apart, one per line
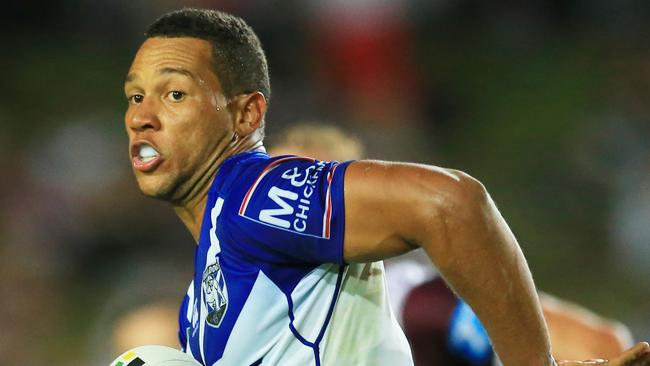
143 116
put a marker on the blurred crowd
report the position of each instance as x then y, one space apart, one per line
546 102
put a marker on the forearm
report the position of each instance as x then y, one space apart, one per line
483 263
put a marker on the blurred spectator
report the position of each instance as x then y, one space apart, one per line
313 139
363 55
141 309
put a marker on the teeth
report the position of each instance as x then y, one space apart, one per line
147 153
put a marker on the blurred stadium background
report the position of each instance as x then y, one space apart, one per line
546 102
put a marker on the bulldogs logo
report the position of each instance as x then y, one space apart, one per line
215 294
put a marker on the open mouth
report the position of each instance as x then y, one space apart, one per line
145 157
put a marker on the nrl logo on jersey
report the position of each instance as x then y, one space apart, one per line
215 293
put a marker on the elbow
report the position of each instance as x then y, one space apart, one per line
459 213
471 193
467 201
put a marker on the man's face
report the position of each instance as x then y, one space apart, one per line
177 120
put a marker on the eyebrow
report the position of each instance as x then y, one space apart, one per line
164 70
173 70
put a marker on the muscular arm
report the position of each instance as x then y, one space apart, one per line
392 208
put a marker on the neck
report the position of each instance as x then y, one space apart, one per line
190 209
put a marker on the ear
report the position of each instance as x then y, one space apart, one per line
249 112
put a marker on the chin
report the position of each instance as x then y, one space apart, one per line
155 188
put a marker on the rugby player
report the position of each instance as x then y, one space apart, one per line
285 266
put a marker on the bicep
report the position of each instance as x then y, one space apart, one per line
391 208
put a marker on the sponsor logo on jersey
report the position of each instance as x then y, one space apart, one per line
290 202
215 293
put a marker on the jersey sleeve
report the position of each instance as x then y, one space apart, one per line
291 209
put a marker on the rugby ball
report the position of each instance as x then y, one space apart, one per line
154 356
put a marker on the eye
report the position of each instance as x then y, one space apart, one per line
176 96
135 98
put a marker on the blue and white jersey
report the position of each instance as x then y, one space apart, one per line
271 286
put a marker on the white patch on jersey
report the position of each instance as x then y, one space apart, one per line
310 311
363 329
211 258
214 213
190 306
195 317
260 324
192 316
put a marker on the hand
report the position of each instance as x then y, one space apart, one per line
639 355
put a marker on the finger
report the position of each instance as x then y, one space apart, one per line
639 355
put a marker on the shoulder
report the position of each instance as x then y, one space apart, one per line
288 206
294 193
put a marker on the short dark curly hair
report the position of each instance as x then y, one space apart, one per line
239 60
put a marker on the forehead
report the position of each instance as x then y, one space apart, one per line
192 54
